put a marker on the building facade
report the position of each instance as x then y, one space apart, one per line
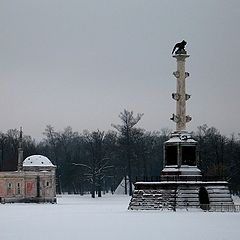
35 183
34 180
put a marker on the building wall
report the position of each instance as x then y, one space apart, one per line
28 186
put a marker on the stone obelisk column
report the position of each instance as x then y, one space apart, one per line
20 152
180 96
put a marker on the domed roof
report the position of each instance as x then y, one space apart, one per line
37 161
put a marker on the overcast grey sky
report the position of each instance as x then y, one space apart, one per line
79 63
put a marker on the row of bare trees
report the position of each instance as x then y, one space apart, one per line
97 161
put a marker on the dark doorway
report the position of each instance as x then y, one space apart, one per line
189 155
203 198
38 186
171 155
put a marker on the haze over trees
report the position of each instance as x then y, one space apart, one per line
96 162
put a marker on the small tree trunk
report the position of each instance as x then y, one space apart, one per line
99 188
125 185
99 192
93 187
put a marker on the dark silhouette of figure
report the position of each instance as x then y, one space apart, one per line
180 46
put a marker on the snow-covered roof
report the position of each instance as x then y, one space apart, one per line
174 168
182 182
178 139
182 136
37 161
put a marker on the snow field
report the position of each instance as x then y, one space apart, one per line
81 217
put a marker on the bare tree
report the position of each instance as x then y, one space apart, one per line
126 131
52 139
98 165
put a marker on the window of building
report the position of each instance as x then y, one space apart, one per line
18 188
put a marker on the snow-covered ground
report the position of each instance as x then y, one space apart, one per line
77 217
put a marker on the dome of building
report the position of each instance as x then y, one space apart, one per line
37 161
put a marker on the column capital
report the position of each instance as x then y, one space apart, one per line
181 57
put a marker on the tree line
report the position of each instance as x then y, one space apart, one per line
97 161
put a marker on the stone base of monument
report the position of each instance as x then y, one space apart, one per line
184 171
173 195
